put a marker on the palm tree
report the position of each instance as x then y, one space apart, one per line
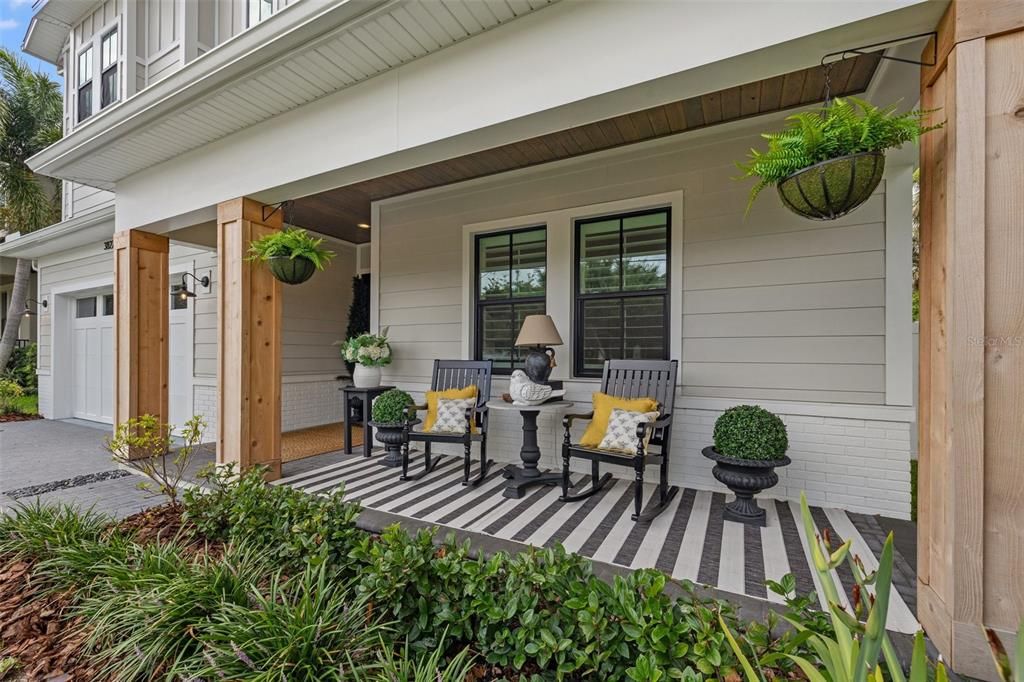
30 121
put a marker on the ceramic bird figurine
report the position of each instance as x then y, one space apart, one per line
526 392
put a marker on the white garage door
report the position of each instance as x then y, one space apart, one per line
92 342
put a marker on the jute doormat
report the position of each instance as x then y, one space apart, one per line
317 440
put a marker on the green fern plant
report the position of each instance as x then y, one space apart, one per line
844 126
291 242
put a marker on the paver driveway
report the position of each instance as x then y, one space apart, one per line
64 460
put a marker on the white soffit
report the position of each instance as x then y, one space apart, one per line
309 50
50 26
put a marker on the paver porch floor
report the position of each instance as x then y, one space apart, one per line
689 540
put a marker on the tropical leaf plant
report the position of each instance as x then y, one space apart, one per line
846 125
852 655
31 109
291 242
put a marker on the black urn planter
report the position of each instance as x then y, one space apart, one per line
832 188
745 478
392 436
291 270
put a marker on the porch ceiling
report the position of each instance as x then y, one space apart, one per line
338 212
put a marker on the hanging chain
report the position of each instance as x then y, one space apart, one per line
828 83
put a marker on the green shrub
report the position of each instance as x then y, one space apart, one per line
10 394
750 432
291 242
390 406
144 444
21 368
306 628
292 527
845 126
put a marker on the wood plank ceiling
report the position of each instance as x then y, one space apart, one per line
339 212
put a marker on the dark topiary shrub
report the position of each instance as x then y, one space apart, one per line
390 406
750 432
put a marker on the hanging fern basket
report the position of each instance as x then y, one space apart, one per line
831 189
291 270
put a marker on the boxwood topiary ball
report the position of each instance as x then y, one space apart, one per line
750 432
389 407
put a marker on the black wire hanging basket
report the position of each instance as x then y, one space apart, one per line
291 270
830 189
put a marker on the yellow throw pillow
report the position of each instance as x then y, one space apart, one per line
450 394
603 406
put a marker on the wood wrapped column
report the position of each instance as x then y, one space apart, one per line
249 340
142 301
971 419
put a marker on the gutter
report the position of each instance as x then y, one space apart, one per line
261 46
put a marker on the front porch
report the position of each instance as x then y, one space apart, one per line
689 541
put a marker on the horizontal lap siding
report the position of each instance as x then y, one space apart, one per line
84 199
774 306
776 310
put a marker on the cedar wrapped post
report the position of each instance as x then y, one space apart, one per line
249 341
970 545
141 325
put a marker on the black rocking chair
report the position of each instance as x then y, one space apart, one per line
454 374
654 379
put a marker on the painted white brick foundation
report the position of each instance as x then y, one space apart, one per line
303 404
204 404
310 403
46 395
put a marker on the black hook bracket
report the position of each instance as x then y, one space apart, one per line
833 57
274 208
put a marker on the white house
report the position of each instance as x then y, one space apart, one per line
462 134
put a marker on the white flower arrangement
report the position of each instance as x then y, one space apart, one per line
369 350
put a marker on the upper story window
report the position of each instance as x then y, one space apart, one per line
85 84
258 10
511 283
622 301
109 91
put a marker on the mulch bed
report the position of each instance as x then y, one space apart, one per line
35 628
18 417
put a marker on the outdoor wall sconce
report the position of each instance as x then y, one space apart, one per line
29 302
184 294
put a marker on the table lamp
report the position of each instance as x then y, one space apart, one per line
539 333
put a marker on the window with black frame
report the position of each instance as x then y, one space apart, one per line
511 283
109 90
622 284
84 84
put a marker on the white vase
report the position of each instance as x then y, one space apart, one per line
366 377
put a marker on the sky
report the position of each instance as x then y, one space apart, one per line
14 17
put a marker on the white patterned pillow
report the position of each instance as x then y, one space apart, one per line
451 415
620 436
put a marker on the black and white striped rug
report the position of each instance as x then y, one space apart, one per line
690 540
